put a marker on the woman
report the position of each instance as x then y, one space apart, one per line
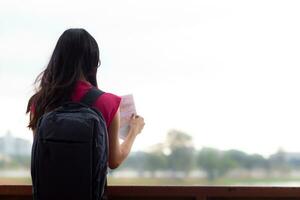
70 73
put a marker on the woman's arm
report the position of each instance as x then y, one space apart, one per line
118 152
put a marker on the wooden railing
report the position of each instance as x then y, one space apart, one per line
23 192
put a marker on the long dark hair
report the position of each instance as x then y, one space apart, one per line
76 54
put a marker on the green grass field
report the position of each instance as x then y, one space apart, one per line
196 181
166 181
15 181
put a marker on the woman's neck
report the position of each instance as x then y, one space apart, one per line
82 78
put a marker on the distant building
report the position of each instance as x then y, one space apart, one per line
292 156
10 145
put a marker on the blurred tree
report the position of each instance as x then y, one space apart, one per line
155 161
209 160
240 158
135 161
257 161
181 150
216 163
279 162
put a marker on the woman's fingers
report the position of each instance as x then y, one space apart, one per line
137 123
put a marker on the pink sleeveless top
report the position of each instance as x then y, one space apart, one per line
107 103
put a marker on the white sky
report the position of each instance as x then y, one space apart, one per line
226 72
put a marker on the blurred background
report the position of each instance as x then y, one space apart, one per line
216 81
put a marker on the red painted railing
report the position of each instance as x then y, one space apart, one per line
23 192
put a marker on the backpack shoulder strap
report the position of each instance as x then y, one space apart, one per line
91 96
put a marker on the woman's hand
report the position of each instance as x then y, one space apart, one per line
136 124
118 152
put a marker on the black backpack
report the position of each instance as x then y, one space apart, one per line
70 152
